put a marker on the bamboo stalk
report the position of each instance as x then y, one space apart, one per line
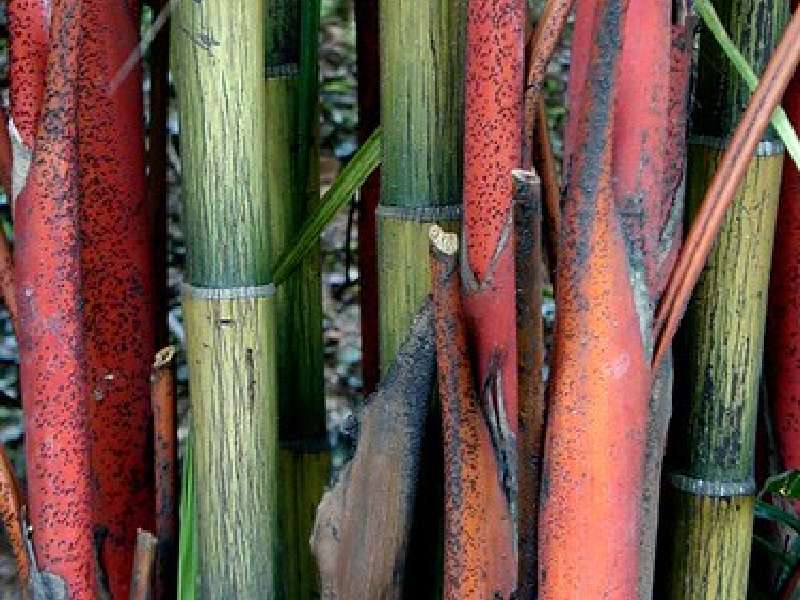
650 227
479 530
719 354
293 195
598 413
369 118
47 269
422 57
117 284
530 360
492 149
165 434
144 567
229 311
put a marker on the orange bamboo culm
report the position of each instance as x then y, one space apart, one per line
479 560
598 411
722 190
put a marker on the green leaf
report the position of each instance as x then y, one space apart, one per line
187 546
765 510
785 484
353 176
779 119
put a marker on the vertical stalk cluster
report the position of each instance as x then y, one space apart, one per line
719 353
292 162
229 308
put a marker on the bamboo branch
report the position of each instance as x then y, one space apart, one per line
530 384
540 50
722 189
11 507
544 163
361 532
165 422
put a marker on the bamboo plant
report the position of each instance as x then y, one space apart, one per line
292 195
229 307
711 488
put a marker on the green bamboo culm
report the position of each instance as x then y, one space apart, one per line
707 526
422 101
229 306
292 164
422 64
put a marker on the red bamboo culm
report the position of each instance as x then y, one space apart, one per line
492 150
783 316
479 557
601 382
52 359
117 284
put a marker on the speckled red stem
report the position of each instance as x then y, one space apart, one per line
117 284
492 149
479 548
52 358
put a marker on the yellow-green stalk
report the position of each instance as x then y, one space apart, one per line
718 356
229 307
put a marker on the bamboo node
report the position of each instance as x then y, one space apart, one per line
233 293
420 214
283 71
714 489
764 147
